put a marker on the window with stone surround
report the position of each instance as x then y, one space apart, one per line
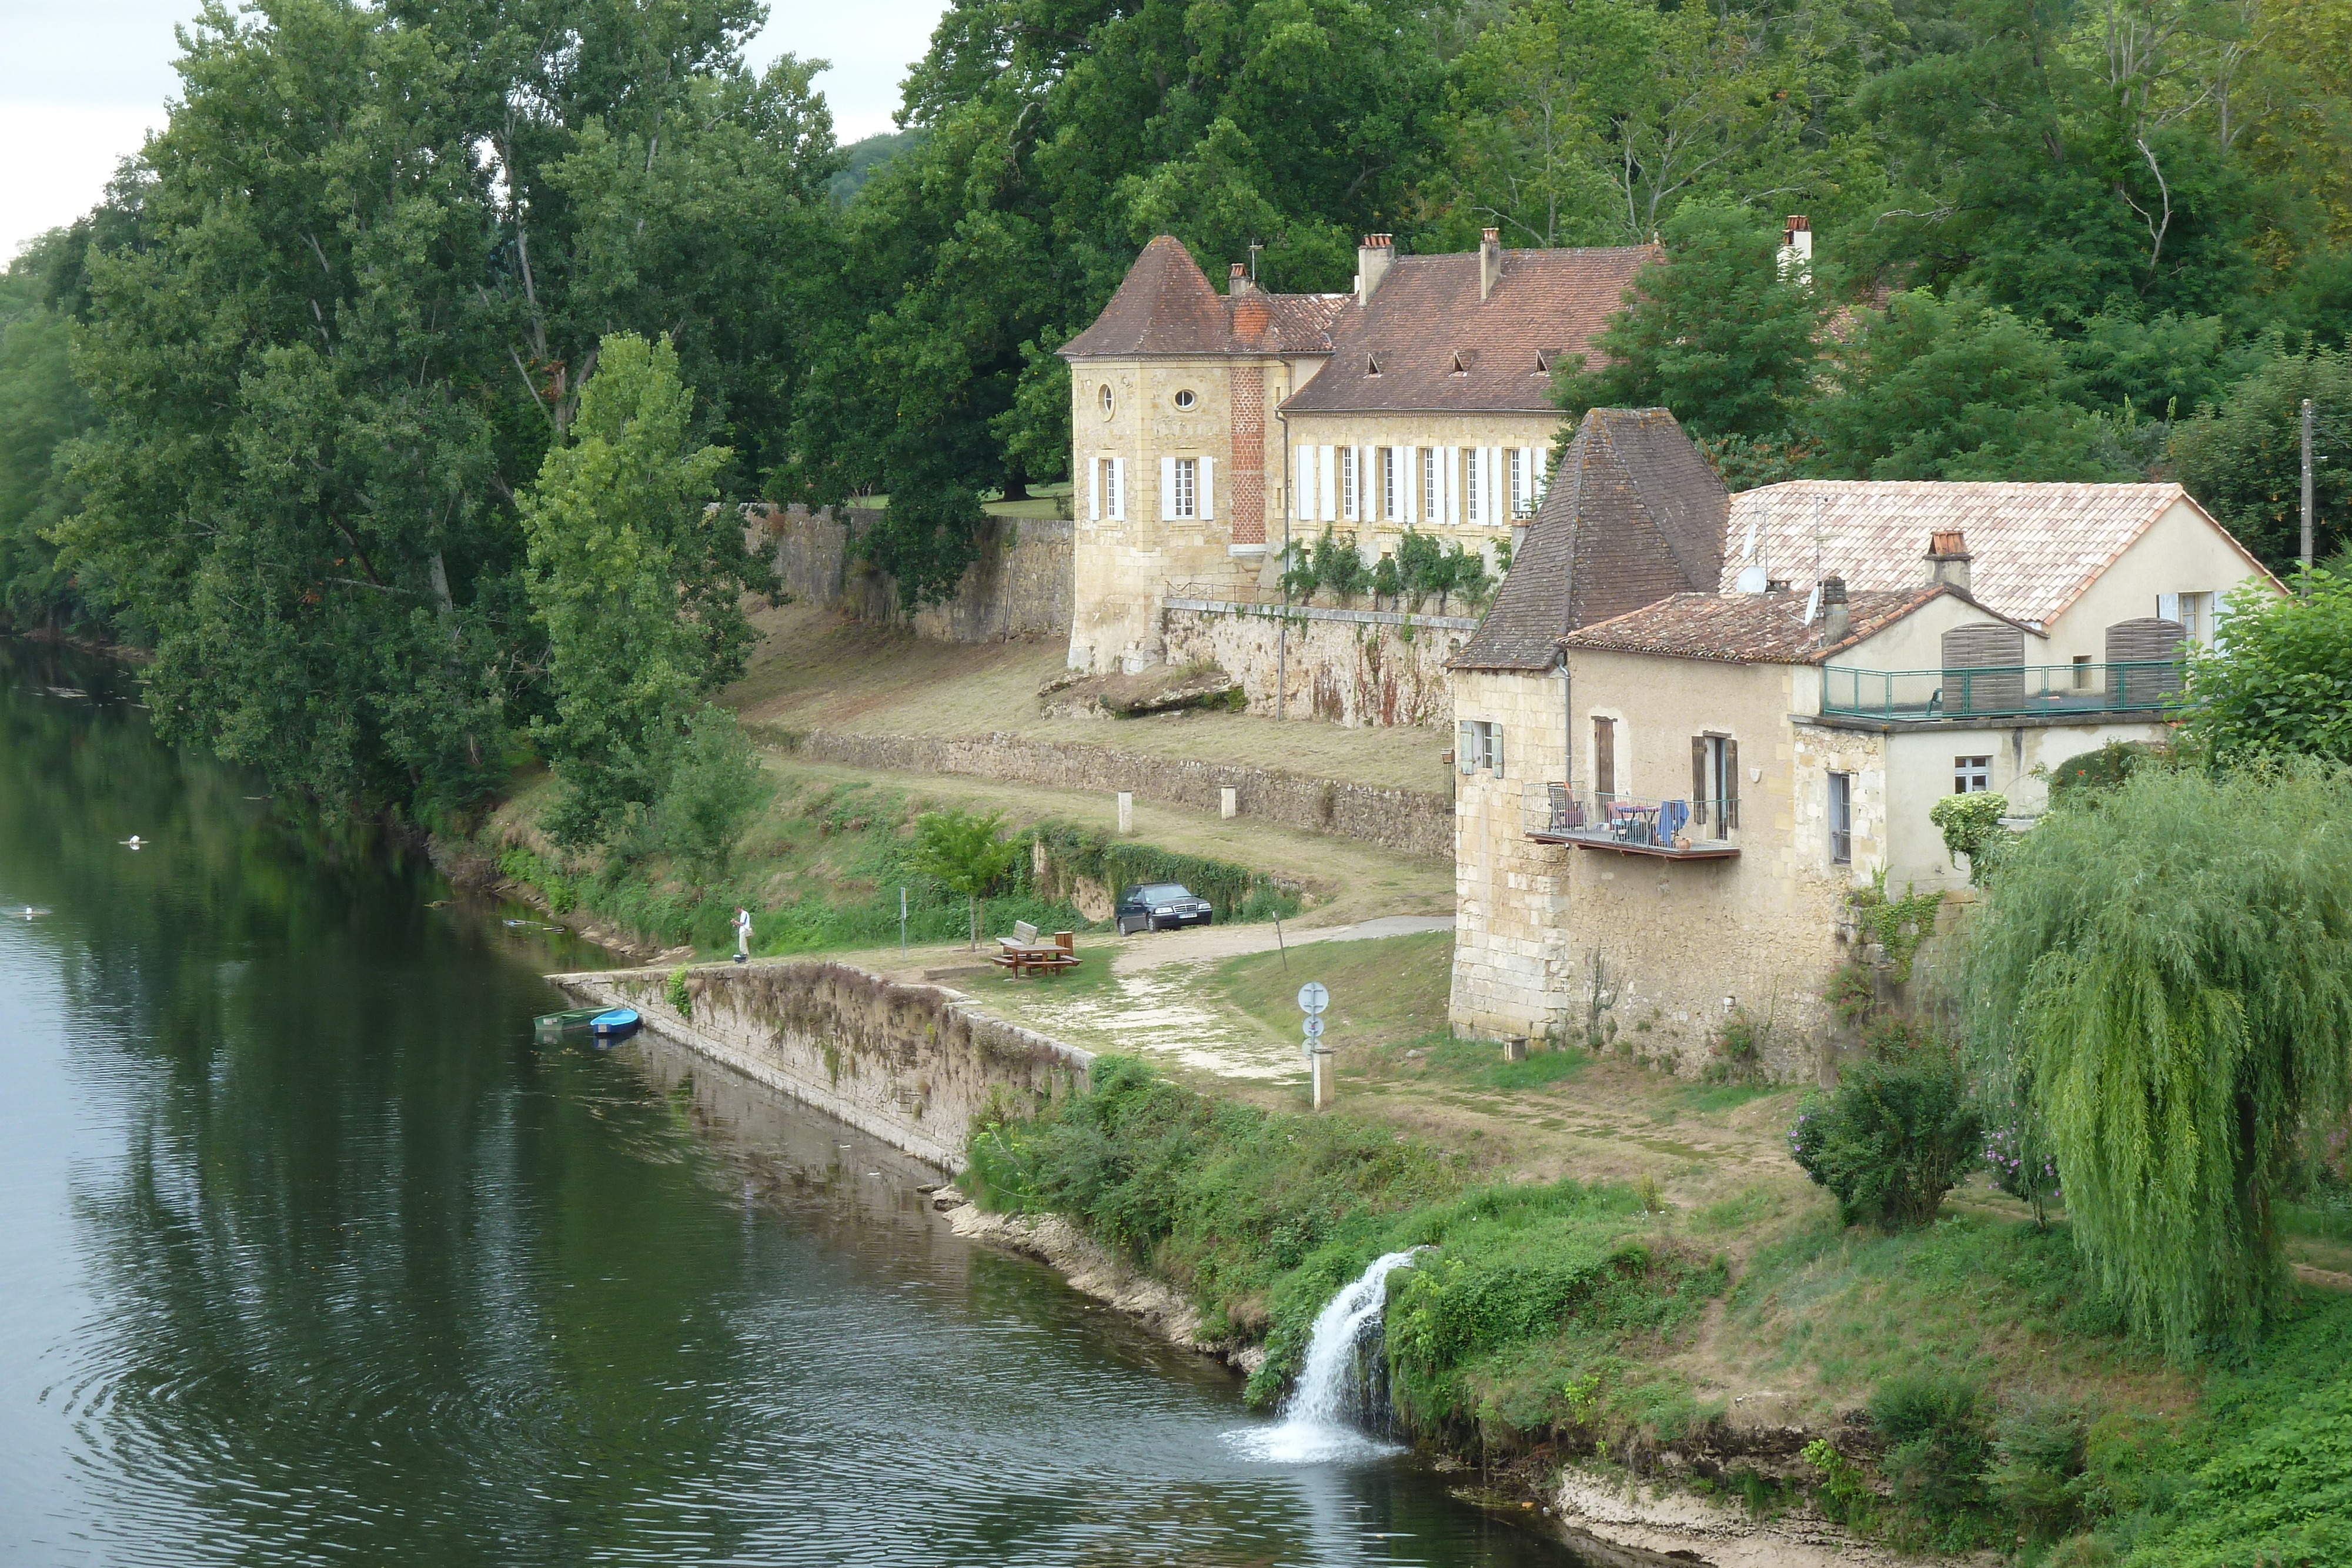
1430 501
1187 487
1480 745
1390 496
1105 400
1842 819
1347 482
1185 399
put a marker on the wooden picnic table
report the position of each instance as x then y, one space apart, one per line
1027 952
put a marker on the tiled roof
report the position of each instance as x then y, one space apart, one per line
2036 547
1635 514
1746 627
1425 313
1164 305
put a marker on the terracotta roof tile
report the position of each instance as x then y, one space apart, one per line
1745 628
1635 513
2035 547
1165 305
1546 306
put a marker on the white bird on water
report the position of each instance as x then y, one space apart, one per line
134 842
28 913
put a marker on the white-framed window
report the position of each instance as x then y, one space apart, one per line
1109 471
1841 818
1971 775
1715 784
1432 499
1187 499
1348 496
1105 400
1480 745
1185 399
1390 499
2194 612
1518 458
1470 487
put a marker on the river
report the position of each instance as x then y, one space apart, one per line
313 1256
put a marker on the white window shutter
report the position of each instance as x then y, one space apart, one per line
1094 489
1118 489
1208 507
1495 749
1302 484
1538 460
1447 508
1466 747
2168 607
1326 491
1168 489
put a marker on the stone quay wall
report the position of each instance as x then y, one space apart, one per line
1348 667
1411 821
917 1066
1020 586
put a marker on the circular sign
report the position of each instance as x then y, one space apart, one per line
1313 997
1314 1027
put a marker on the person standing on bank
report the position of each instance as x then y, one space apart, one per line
743 935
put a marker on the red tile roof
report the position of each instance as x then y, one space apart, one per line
1165 305
1425 317
2035 547
1746 627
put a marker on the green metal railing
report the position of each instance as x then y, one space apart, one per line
2002 691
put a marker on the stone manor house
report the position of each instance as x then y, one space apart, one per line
1693 723
1206 428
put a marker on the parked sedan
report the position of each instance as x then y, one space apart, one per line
1158 905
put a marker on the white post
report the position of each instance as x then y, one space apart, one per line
1126 813
1324 1077
1229 803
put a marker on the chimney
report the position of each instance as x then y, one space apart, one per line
1490 260
1373 258
1837 619
1240 283
1948 557
1797 247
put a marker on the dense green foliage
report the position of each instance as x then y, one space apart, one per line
2166 970
961 851
2282 684
1517 1321
1892 1139
1971 826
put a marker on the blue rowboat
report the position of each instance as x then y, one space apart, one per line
613 1025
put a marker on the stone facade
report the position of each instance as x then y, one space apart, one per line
1345 666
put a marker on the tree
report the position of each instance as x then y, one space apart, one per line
2280 684
2168 969
1892 1139
1956 389
636 578
714 787
344 344
2243 458
1717 333
961 851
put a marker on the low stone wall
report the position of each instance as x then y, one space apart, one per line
1349 666
915 1065
1408 821
1020 587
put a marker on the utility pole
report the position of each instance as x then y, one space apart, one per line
2307 495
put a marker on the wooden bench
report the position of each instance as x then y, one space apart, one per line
1027 952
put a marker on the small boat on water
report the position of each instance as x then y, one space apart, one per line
617 1024
565 1021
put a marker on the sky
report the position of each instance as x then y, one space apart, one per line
83 82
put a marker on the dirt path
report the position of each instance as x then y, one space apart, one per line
1201 944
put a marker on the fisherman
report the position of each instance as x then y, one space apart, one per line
743 935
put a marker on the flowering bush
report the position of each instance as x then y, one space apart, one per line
2021 1166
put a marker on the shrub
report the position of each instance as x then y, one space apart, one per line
2092 773
715 787
681 1000
1971 825
2037 1448
1891 1141
1935 1446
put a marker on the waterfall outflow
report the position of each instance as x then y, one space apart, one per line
1324 1417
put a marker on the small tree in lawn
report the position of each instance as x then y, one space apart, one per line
962 854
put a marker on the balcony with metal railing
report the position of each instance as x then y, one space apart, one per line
2083 690
1681 830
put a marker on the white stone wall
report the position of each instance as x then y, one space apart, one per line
1512 950
1346 667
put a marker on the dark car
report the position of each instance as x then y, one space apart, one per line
1158 905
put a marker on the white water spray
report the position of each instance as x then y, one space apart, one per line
1319 1420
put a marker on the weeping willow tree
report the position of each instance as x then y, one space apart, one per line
2165 974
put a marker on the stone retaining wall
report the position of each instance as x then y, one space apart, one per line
915 1065
1349 666
1408 821
1020 586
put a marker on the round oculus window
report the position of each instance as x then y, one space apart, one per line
1105 400
1185 399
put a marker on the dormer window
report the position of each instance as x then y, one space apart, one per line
1544 358
1105 400
1459 368
1372 366
1185 399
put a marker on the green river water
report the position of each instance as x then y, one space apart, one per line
313 1256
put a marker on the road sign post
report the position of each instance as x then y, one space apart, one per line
1322 1086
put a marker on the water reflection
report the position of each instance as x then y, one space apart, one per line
316 1257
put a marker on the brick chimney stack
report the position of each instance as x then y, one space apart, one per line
1490 260
1948 557
1373 258
1797 247
1240 283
